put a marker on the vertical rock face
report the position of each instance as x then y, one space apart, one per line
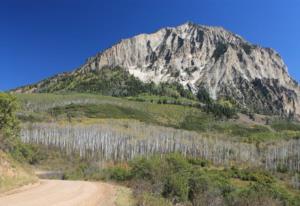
211 57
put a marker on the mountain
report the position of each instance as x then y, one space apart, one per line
194 56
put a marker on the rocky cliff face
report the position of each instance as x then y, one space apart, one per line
211 57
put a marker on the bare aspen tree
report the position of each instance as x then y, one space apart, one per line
116 142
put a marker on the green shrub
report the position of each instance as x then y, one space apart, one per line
9 132
142 169
282 168
199 162
176 187
285 125
197 123
209 187
9 125
160 180
31 154
119 173
263 194
203 96
259 176
198 184
177 162
220 111
255 195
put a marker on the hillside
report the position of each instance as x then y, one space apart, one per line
135 128
246 158
194 56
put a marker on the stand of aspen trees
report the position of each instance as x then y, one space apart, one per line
284 155
122 142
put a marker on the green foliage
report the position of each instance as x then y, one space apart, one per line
207 189
198 162
107 81
181 180
80 172
173 178
282 168
221 110
256 195
115 81
285 125
264 194
31 154
119 173
143 169
56 107
50 107
253 175
197 123
176 184
9 132
244 131
9 126
203 96
251 134
172 171
100 111
165 100
174 90
176 187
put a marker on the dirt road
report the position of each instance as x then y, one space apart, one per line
62 193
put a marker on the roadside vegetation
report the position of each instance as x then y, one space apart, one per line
174 179
14 155
194 182
13 173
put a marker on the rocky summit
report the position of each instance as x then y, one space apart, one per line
199 56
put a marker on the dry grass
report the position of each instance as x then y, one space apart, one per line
124 197
13 175
240 183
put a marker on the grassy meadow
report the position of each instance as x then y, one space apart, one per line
84 107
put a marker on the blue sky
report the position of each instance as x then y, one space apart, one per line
39 38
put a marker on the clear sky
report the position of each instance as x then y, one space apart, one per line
39 38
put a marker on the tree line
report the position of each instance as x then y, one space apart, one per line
122 143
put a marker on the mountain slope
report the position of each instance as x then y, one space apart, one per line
197 56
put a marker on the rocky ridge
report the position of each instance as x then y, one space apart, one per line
202 56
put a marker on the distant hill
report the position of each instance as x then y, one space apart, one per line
194 56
